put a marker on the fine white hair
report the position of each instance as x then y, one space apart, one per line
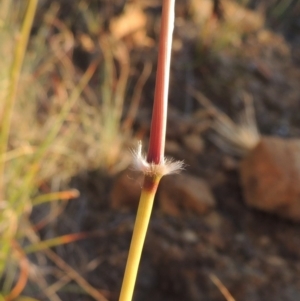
167 166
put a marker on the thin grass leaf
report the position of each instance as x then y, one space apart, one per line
13 82
23 275
16 153
75 276
53 242
54 196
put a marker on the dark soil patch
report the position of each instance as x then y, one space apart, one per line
255 255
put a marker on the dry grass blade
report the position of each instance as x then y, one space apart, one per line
64 280
28 180
115 74
93 292
13 82
57 241
236 138
127 124
113 91
13 154
63 266
36 272
23 276
9 81
54 196
52 289
122 55
66 109
225 292
55 211
37 277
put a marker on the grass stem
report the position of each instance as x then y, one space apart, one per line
138 237
159 115
156 165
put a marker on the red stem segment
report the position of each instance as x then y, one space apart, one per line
159 115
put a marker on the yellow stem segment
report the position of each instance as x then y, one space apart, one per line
138 237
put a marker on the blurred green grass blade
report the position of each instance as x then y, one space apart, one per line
65 111
281 8
13 82
14 154
19 197
54 196
42 149
53 242
10 277
9 100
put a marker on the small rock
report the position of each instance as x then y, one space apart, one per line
184 192
189 236
229 163
214 220
264 241
270 177
194 143
276 261
216 240
126 190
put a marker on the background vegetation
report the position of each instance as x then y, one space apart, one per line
83 99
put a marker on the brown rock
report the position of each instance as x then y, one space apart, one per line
270 177
126 190
184 192
214 220
194 143
229 163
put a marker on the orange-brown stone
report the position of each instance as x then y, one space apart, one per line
270 177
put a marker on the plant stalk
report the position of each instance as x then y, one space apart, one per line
155 157
138 237
159 116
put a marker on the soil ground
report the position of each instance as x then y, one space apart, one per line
255 255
